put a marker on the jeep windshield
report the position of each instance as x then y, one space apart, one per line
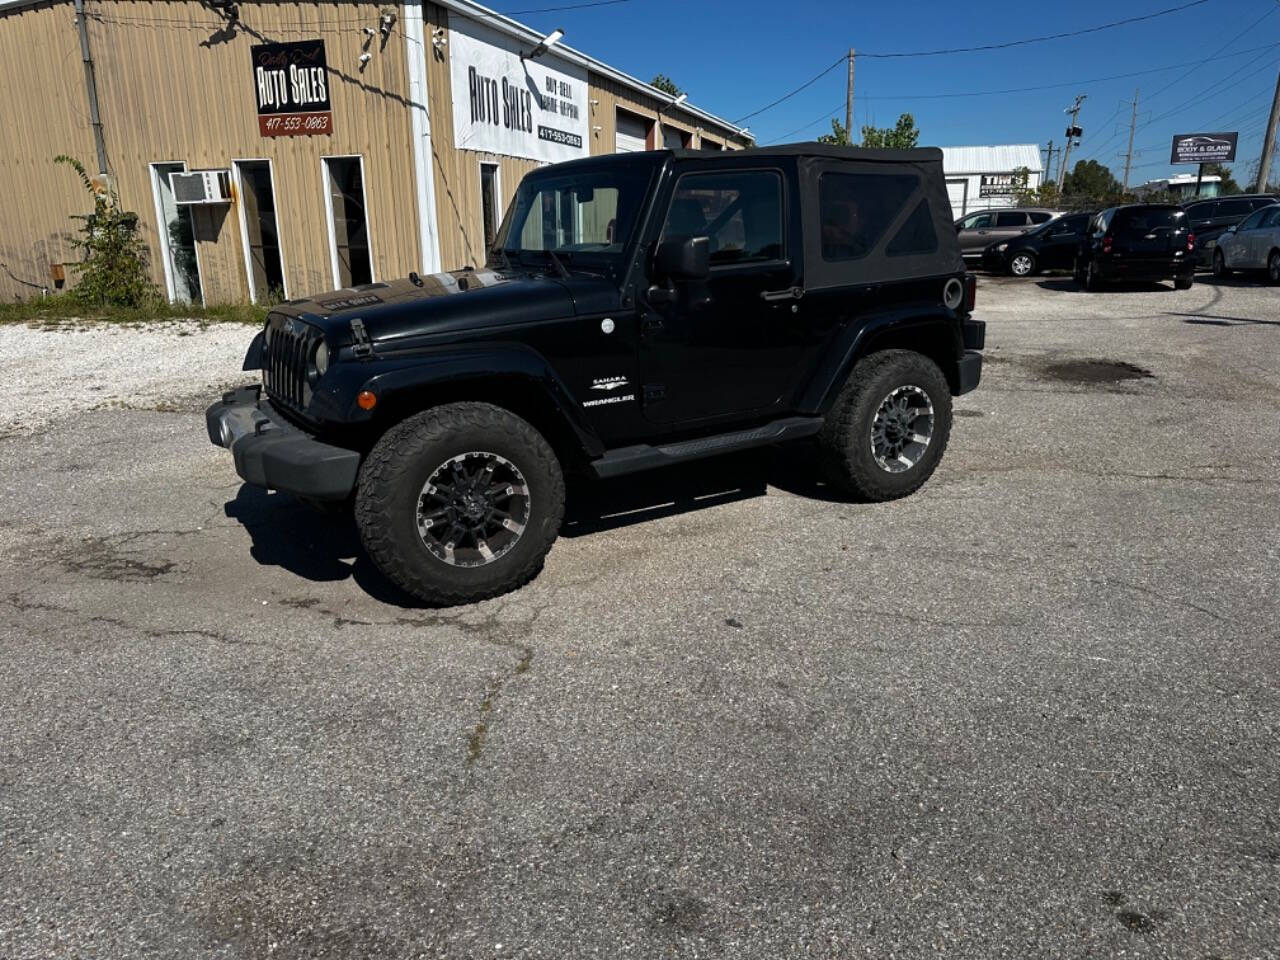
582 217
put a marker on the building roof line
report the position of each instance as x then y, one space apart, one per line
514 28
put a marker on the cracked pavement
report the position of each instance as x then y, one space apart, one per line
1031 711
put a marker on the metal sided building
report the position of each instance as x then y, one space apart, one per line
983 177
273 149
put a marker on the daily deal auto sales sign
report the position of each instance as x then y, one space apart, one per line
536 109
291 83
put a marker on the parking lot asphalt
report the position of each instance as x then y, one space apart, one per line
1031 711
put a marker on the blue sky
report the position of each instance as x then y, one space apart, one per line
736 57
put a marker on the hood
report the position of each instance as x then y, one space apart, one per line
436 303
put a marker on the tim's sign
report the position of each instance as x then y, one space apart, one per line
999 185
1204 148
291 84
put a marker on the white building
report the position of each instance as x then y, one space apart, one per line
982 177
1179 188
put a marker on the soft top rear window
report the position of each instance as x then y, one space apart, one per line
1147 219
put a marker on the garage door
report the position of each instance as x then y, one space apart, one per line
672 139
957 193
631 135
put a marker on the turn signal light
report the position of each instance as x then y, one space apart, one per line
366 400
1106 243
1191 241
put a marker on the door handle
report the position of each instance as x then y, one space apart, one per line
652 324
791 293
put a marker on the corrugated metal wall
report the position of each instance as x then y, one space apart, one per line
176 83
43 112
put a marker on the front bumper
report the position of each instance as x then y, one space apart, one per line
271 452
994 262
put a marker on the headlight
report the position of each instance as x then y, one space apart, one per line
1001 247
322 358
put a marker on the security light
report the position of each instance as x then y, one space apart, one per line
549 41
679 100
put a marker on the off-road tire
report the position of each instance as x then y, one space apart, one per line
1220 270
847 460
391 481
1032 266
1183 283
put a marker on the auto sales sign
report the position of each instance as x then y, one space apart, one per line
536 109
291 83
1204 148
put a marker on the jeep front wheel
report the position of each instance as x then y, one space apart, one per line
460 503
888 429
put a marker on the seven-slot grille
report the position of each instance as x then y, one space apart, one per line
288 348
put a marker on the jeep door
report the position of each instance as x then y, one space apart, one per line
726 346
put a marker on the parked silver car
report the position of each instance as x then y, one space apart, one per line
1253 244
978 229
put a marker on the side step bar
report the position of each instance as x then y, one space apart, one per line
643 456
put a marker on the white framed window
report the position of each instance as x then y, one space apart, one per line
260 230
178 252
490 202
350 249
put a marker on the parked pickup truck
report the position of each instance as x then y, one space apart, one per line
635 311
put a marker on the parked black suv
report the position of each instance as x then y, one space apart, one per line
1210 219
636 311
1051 246
1141 241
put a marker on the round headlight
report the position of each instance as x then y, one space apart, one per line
322 358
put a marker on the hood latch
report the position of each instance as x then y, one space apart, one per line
361 346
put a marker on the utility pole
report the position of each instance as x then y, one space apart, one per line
91 88
848 99
1048 162
1073 132
1269 144
1128 156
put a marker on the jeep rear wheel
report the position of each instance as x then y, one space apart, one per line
888 429
460 503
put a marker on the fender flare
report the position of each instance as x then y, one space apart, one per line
397 378
939 323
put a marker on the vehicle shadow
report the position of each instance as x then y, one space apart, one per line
1235 280
325 547
1069 285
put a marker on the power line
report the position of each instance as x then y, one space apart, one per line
1029 40
988 46
804 86
826 115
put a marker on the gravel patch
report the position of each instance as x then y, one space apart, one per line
170 366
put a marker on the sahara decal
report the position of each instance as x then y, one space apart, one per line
608 383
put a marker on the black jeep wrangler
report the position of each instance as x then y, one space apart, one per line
636 311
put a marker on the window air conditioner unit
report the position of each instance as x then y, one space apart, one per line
201 186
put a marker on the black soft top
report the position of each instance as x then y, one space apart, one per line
918 155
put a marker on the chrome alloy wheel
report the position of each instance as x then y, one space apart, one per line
1020 265
473 509
902 429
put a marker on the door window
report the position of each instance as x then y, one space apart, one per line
740 212
177 237
979 221
352 263
1253 220
1040 217
1270 218
258 212
1233 208
1011 219
857 208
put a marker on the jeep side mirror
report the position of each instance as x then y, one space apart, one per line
685 259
